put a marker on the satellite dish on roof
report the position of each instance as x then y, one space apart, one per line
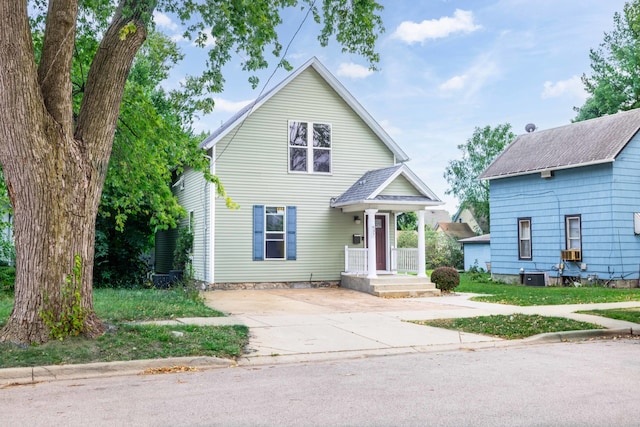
530 127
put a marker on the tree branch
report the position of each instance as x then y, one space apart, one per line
54 71
107 77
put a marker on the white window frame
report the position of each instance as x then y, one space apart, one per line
569 241
522 238
310 148
283 233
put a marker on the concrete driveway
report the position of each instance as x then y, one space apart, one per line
303 322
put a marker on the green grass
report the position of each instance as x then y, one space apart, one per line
628 314
528 295
511 327
132 342
147 304
128 342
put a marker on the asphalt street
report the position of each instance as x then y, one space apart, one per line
588 383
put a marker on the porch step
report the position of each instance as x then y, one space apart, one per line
406 293
391 286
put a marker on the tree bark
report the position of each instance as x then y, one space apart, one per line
53 171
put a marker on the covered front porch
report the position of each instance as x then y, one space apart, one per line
376 265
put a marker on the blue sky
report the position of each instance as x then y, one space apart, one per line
446 67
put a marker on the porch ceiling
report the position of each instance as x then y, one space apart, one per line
389 205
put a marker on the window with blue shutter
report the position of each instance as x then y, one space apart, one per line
291 233
274 232
258 232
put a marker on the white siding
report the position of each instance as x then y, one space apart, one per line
193 196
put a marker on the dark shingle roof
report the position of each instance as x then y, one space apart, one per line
367 185
592 141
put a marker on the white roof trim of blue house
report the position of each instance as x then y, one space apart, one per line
335 84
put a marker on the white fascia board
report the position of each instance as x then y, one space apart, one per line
359 109
531 172
417 183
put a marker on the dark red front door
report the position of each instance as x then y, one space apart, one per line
381 242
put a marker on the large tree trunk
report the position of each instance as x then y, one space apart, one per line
54 169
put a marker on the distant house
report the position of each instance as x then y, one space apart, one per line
319 184
433 216
565 203
466 215
477 252
455 230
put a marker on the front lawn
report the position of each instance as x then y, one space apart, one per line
530 295
510 327
125 341
628 314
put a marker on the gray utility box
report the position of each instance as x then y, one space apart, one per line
535 279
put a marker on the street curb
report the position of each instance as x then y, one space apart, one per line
578 335
31 375
11 376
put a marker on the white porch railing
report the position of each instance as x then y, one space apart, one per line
355 260
404 260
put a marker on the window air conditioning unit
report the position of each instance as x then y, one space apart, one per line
536 279
571 255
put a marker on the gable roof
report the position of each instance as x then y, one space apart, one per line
367 189
456 230
578 144
333 82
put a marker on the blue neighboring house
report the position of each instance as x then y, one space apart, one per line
565 203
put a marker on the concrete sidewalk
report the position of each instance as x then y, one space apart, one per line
293 325
301 322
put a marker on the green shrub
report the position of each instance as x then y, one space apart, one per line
7 278
407 239
445 278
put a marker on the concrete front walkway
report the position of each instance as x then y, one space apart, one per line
288 322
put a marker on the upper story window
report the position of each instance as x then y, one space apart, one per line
524 238
573 231
309 147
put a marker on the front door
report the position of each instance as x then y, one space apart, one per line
381 242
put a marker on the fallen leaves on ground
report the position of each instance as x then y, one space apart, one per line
169 370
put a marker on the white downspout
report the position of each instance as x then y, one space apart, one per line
422 269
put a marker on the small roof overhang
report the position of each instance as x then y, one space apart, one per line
365 193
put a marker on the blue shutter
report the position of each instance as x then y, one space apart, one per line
258 232
291 233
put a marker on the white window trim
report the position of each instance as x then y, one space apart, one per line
283 232
520 239
567 229
310 148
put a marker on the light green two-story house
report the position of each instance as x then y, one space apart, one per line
319 184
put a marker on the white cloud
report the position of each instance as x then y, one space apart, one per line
572 87
474 79
454 83
229 106
164 21
412 32
354 71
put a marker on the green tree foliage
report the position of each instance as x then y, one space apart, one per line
614 82
479 151
59 132
440 250
407 221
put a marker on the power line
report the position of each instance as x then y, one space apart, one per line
295 34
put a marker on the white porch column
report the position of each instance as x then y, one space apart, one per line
422 271
371 242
